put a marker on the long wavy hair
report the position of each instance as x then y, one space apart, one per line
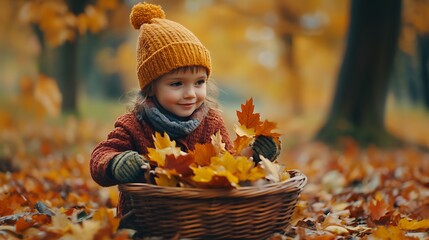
139 97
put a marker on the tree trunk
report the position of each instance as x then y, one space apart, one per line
359 102
67 63
68 76
295 82
423 45
289 22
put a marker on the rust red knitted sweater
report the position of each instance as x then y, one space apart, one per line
131 134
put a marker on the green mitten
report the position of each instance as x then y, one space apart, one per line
265 146
128 166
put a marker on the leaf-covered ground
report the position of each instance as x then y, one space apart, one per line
46 191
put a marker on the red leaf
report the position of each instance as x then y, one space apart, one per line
180 164
247 117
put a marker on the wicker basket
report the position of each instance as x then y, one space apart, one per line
194 213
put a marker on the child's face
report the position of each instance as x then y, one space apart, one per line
182 92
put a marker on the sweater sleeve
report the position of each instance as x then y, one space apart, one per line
118 140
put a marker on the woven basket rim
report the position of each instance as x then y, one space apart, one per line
294 184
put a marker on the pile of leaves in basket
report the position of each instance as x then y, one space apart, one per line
210 165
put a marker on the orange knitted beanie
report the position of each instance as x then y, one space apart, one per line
164 45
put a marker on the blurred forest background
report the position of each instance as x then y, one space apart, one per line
79 57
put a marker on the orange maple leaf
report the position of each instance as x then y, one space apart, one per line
378 208
247 117
203 153
266 129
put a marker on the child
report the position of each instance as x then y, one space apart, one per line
173 70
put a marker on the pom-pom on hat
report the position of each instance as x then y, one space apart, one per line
164 45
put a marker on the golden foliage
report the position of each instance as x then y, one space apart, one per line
40 96
59 24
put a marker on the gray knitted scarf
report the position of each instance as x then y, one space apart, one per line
164 121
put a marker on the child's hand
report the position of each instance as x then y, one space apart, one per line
129 166
265 146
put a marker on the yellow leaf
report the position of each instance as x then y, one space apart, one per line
246 170
224 162
406 224
211 178
203 174
156 156
256 173
166 180
163 142
391 233
242 131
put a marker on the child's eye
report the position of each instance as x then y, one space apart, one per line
176 84
200 82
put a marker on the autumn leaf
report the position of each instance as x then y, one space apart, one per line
203 153
180 164
224 162
378 208
247 117
216 141
242 146
390 232
239 166
210 178
156 156
413 225
163 146
266 129
243 131
162 142
165 179
35 220
250 123
274 171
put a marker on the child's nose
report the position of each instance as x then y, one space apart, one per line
189 92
